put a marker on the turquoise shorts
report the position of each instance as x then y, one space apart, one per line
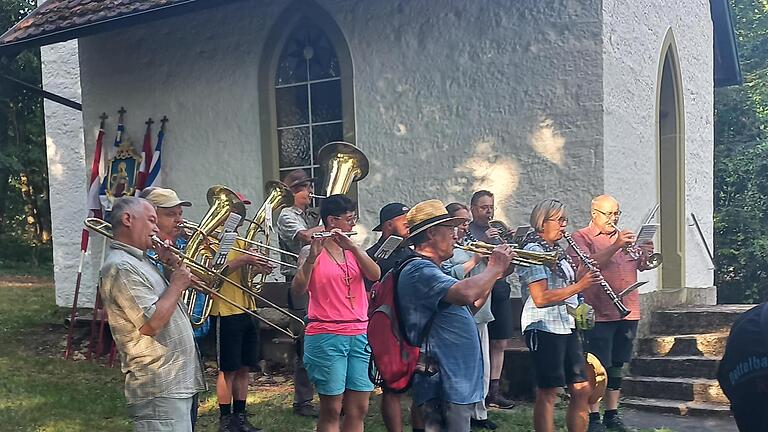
336 363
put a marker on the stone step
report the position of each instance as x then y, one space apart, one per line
676 407
695 320
682 389
675 366
708 344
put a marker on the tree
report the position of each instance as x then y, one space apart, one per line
741 164
24 209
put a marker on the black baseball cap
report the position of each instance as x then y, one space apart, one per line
389 212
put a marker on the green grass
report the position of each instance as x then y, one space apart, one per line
39 391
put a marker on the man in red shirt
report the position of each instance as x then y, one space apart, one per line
613 336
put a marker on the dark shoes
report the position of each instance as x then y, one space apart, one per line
236 423
483 424
308 410
226 424
496 400
596 426
241 420
615 424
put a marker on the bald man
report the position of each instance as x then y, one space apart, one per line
613 336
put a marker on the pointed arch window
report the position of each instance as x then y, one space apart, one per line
308 97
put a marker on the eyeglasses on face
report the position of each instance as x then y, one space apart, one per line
617 213
348 219
485 207
560 220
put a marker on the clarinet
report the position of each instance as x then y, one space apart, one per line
623 311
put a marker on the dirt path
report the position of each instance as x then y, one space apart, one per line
642 419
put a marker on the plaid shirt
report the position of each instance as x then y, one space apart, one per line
552 319
164 365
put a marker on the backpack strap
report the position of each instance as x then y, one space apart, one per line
425 332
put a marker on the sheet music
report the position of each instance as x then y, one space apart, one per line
225 245
646 234
389 246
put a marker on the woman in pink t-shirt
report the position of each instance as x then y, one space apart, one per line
332 271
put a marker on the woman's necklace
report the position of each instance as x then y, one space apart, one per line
346 278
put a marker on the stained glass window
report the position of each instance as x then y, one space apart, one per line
307 98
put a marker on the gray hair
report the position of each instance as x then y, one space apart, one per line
121 206
545 210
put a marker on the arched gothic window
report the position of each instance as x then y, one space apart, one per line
308 98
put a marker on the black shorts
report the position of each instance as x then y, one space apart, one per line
612 341
237 342
503 324
558 359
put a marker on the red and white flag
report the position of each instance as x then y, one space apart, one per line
146 157
94 204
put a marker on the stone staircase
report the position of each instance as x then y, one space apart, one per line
675 367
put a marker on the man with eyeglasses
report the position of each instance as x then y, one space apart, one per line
612 338
501 328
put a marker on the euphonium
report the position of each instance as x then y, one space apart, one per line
341 164
278 196
206 275
223 202
524 257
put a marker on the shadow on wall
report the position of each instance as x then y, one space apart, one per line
500 173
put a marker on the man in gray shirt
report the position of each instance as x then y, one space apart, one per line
295 228
149 323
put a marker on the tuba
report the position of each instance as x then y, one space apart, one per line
277 196
341 164
223 202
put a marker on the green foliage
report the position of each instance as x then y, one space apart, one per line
741 164
24 208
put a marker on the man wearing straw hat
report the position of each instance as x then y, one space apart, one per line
435 312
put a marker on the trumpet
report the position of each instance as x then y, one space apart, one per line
636 253
524 258
212 280
326 234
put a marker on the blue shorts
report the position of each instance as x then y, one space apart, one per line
336 363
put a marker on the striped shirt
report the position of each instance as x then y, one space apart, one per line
164 365
552 319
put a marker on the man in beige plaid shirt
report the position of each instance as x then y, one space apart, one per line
149 323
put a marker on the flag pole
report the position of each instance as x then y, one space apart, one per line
84 237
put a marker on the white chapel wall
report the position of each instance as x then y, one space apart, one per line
633 34
455 96
449 98
66 170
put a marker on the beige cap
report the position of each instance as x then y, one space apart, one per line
165 198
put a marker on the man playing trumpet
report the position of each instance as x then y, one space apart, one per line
612 338
149 323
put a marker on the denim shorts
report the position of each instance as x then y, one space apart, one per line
337 363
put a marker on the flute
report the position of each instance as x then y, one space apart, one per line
326 234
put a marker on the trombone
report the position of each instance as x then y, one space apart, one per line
210 278
524 258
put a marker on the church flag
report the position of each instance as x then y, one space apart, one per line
154 178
